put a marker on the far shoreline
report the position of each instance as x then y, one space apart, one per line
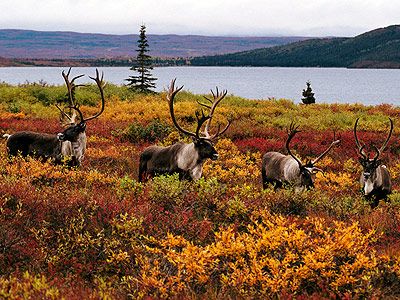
161 63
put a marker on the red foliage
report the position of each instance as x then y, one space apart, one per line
50 203
38 125
311 144
259 144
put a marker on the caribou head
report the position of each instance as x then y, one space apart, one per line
182 158
375 179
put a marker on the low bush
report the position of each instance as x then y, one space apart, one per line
96 232
155 130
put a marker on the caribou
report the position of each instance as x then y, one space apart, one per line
66 146
186 159
278 169
375 179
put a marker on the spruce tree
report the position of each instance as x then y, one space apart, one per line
308 94
143 82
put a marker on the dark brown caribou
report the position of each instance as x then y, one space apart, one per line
279 169
185 159
66 146
375 179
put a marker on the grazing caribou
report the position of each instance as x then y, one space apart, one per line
375 179
69 145
185 159
278 168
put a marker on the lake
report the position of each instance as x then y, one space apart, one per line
331 85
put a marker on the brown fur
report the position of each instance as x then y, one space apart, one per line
43 145
185 159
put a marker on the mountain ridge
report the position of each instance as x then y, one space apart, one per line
32 44
379 48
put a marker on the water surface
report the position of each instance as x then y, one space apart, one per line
331 85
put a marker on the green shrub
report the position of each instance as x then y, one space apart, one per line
155 130
236 208
209 189
14 107
168 190
127 185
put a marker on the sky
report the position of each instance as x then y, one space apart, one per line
203 17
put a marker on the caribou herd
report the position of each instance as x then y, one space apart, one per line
278 170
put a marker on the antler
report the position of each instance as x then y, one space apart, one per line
101 84
291 133
379 151
360 148
217 98
200 121
63 113
71 86
71 96
335 142
172 91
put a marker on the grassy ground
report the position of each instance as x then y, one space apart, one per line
95 232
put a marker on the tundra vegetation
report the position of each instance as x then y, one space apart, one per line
94 231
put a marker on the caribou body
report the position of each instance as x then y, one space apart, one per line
375 179
185 159
68 145
279 169
49 146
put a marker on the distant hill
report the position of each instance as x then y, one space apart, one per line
379 48
30 44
